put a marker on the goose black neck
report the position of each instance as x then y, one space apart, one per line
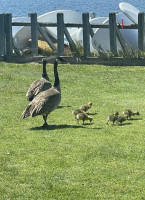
44 74
57 82
55 67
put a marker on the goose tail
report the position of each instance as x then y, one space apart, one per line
26 112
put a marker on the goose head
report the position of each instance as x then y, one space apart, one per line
44 74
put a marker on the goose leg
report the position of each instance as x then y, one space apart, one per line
45 118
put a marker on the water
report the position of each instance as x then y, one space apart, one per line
21 8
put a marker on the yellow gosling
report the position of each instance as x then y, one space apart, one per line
83 117
77 111
85 107
112 118
130 113
121 119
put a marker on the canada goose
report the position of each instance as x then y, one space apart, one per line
77 111
83 117
39 85
112 117
121 119
130 113
46 101
85 107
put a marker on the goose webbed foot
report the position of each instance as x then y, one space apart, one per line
45 124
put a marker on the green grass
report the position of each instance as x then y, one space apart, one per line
69 161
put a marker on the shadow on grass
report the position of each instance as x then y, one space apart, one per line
92 113
134 119
96 128
125 124
53 127
63 126
60 107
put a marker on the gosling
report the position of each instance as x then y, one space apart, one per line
83 117
121 119
85 107
77 111
130 113
112 117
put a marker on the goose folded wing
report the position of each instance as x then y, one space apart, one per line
41 86
45 102
37 109
31 90
37 87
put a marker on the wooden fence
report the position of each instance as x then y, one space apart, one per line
6 41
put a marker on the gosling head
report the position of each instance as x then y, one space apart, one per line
137 113
116 113
90 104
90 119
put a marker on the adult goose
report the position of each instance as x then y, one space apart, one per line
46 101
39 85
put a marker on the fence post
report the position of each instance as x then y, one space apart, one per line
34 34
86 34
141 33
2 34
8 29
112 29
60 34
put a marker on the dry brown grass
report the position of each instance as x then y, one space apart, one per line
44 48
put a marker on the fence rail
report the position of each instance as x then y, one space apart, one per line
6 40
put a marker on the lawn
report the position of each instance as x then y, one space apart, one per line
67 160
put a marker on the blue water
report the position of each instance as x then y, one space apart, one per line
20 8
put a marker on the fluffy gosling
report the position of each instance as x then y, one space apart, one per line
121 119
112 117
83 116
77 111
85 107
130 113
